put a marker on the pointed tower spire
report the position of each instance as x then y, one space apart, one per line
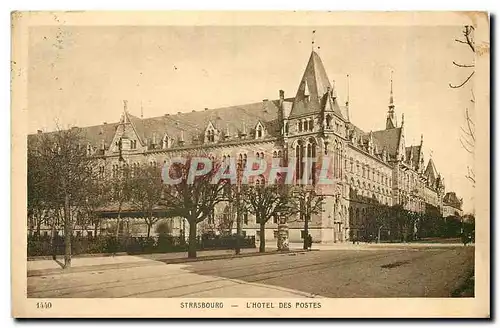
142 110
391 97
312 39
391 117
347 100
334 90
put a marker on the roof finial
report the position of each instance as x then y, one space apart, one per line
142 110
421 139
347 101
334 90
391 97
312 40
125 103
402 119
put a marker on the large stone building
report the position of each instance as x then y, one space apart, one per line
368 167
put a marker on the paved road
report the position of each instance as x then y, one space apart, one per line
390 272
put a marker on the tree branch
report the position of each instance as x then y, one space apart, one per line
463 83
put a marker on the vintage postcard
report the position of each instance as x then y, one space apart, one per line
250 164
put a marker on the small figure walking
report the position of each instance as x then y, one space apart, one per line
309 242
465 239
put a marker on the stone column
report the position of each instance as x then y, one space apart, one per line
283 239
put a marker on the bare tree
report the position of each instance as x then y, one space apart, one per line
146 188
266 201
310 203
119 183
66 175
468 135
193 197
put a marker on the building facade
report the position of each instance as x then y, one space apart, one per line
368 168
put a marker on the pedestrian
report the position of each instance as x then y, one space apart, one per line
464 239
309 242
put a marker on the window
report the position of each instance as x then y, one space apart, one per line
89 234
311 125
245 217
286 128
328 121
165 142
133 144
300 126
275 233
259 131
211 135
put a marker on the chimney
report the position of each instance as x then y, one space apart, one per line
104 123
39 131
264 100
206 108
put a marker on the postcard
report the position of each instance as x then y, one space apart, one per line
250 164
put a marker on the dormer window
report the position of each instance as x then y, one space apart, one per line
259 131
165 142
299 127
286 128
133 144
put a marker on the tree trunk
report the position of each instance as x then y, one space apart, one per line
38 226
67 233
238 228
262 247
118 218
96 225
306 232
192 239
54 240
149 228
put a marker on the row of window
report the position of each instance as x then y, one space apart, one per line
371 174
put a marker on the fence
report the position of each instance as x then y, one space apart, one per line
46 246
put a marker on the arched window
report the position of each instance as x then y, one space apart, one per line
299 156
259 131
300 126
286 128
311 125
166 142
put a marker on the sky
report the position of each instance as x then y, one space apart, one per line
79 76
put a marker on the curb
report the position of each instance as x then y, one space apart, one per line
101 267
49 257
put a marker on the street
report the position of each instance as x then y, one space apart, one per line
406 271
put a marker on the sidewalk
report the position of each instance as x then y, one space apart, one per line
81 264
372 246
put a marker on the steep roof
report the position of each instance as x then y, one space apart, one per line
312 87
415 151
451 199
192 125
431 172
388 139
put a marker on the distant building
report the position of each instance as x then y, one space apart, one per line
452 205
369 168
